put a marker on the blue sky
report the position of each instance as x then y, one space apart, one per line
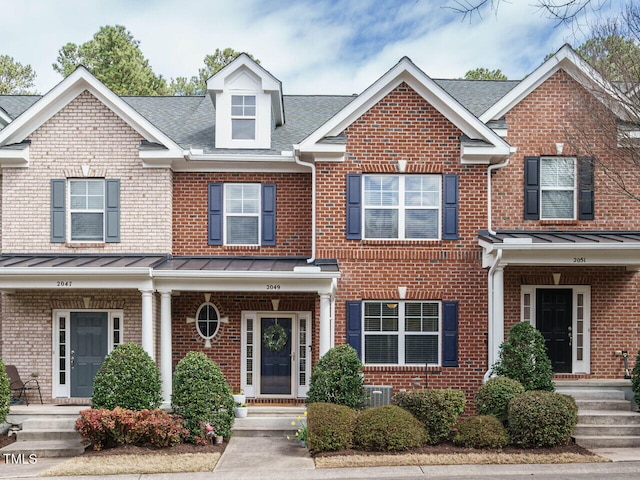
312 46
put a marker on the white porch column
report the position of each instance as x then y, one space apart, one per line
165 346
497 336
325 323
147 322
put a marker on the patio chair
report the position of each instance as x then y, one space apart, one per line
18 386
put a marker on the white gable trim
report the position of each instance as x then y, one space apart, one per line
406 71
566 59
65 92
5 119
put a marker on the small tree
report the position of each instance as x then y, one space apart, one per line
523 357
5 393
337 378
201 394
128 378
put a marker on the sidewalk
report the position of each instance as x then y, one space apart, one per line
269 458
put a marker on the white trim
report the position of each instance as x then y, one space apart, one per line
577 366
64 391
14 157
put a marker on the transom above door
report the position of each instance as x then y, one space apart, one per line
276 354
563 315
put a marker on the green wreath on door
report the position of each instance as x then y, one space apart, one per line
274 338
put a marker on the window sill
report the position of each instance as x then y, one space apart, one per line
402 243
85 245
234 248
401 368
559 222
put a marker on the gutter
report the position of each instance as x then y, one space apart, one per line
489 172
312 166
490 339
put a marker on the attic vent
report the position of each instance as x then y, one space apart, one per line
377 396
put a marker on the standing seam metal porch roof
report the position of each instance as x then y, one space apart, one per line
558 237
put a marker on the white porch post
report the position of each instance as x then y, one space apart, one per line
147 322
165 346
325 323
497 337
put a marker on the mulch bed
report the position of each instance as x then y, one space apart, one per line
5 440
450 448
175 450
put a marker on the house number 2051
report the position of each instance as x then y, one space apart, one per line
579 260
273 287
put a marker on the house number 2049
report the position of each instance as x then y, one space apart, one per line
273 287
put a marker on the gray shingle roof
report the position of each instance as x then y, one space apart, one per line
189 121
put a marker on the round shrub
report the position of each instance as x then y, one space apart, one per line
484 431
387 429
329 427
438 409
129 379
201 394
523 357
337 378
635 383
494 396
542 419
5 393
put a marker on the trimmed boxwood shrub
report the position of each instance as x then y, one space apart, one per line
542 419
128 378
438 409
329 427
484 431
387 429
635 383
523 357
5 393
493 397
337 378
201 394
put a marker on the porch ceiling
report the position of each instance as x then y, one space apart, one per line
575 248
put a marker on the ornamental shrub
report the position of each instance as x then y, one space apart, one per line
337 378
494 396
5 393
111 428
635 383
438 409
541 419
387 429
329 427
129 379
484 431
523 357
201 394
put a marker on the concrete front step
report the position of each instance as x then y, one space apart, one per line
606 430
275 411
44 448
61 423
617 441
592 394
603 404
48 434
608 417
268 421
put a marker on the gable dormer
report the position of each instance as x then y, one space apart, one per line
248 101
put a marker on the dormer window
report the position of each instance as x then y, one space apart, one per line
243 117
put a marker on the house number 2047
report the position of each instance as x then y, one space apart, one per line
63 283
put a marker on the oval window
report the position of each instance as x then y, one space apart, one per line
207 321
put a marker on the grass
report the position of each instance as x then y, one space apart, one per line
135 464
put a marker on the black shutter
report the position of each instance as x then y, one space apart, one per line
354 207
58 214
586 209
449 334
112 211
215 214
450 207
532 188
354 326
268 215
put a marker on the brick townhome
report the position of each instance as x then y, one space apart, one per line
416 221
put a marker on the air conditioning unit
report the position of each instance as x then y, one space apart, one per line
377 395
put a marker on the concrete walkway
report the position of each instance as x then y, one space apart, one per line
270 458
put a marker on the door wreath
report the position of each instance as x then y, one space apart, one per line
274 338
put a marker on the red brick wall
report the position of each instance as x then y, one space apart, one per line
403 126
226 345
293 214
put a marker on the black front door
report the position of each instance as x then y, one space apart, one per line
88 349
275 362
553 319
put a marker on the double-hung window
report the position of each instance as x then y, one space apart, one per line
86 210
402 206
242 213
243 117
557 188
402 332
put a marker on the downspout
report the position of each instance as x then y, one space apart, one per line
312 166
490 339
